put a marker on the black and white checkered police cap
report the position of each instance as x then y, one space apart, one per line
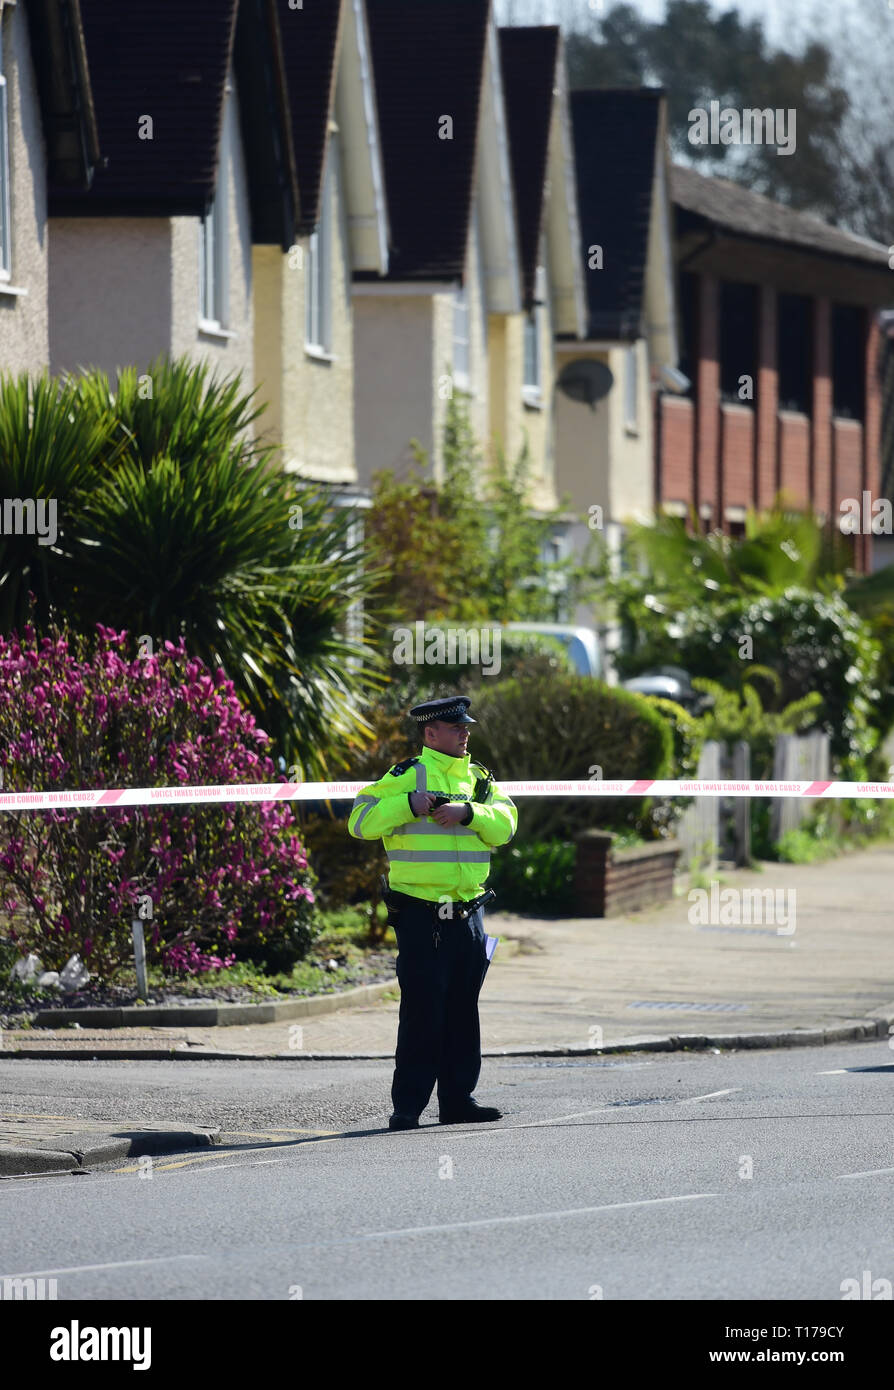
452 710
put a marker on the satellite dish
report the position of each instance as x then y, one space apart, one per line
586 379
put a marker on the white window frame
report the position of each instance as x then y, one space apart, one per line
532 369
318 279
5 172
631 389
214 248
462 337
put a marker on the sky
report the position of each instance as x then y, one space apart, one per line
785 21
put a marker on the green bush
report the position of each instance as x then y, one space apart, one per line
814 644
523 656
565 727
688 736
740 717
537 877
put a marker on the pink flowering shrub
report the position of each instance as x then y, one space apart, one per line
225 882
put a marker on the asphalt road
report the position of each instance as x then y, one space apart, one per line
749 1175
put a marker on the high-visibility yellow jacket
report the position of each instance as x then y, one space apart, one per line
427 860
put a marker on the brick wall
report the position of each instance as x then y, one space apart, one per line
726 455
872 428
677 423
821 423
765 442
794 457
608 883
707 441
847 444
737 465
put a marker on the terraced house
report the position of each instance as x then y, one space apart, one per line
781 341
483 263
305 340
605 442
48 136
156 255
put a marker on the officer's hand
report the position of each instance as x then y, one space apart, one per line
421 802
451 814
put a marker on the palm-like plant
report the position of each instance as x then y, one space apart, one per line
177 408
677 569
49 449
178 523
208 553
781 550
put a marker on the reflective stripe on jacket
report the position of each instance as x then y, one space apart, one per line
427 860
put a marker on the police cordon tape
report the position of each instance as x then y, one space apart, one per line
345 791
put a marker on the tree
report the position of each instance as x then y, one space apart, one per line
471 549
843 168
174 522
781 596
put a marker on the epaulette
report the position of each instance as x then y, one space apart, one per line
400 768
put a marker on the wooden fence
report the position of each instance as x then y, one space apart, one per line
713 828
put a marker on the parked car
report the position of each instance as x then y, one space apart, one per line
582 643
671 683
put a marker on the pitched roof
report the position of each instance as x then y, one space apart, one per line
615 143
265 120
739 211
310 45
428 63
137 70
169 61
528 58
56 40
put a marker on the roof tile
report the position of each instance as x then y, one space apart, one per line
310 48
428 61
739 210
615 142
528 58
167 60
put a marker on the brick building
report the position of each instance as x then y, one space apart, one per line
780 339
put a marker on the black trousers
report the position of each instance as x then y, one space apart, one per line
438 1036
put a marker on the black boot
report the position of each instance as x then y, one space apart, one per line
403 1121
469 1113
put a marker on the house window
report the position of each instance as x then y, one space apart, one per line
532 376
738 342
5 200
631 389
848 361
794 340
214 249
318 305
461 336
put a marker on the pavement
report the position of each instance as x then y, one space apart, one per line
32 1144
648 981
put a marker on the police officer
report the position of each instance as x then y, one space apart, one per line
439 815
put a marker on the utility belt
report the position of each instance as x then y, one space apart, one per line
395 901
